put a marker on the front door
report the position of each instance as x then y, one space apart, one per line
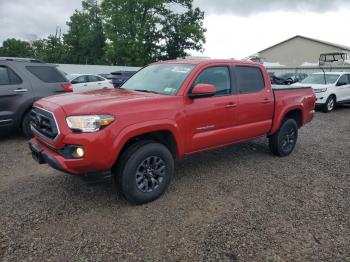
13 93
343 88
210 120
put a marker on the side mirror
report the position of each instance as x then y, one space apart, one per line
202 90
341 84
73 82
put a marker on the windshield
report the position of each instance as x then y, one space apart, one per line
163 79
319 79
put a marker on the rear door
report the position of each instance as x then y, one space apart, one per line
80 83
46 79
94 82
13 93
256 102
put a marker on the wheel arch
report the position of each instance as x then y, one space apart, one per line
295 113
165 134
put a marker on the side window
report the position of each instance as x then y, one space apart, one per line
250 79
8 76
79 80
47 74
344 80
92 78
219 77
100 78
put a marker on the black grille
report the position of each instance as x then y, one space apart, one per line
44 123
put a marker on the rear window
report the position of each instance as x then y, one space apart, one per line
47 74
250 79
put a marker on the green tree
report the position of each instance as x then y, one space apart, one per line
143 31
51 49
85 38
16 48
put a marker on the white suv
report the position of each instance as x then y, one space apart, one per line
331 88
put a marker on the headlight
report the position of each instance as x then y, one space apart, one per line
320 90
89 124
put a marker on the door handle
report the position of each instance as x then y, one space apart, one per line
266 101
231 105
85 85
20 90
99 83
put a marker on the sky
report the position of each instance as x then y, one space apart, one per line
235 28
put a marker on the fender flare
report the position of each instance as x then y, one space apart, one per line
281 116
148 127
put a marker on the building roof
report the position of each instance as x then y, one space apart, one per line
310 39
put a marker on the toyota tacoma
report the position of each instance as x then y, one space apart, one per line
164 112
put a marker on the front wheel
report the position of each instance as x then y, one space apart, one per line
283 142
26 130
329 105
144 171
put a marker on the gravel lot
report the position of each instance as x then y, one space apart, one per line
234 204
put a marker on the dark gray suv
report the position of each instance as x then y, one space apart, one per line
23 81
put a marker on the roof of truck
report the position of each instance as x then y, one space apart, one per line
207 61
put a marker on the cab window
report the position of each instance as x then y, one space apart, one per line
250 79
218 76
343 80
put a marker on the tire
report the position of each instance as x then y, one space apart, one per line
25 126
283 142
329 105
144 171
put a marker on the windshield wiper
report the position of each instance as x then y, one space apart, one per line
146 91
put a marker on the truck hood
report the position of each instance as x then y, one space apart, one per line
97 100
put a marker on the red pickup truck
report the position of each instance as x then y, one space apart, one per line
164 112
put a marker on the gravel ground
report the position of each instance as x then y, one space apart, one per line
234 204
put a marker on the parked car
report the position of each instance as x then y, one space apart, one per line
88 82
331 88
287 78
120 77
164 112
23 81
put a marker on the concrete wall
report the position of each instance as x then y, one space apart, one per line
307 70
297 51
93 69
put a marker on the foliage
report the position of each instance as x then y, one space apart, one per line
51 50
122 32
85 38
143 31
16 48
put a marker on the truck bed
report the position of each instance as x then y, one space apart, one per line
288 87
289 98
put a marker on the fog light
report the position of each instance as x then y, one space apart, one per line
78 152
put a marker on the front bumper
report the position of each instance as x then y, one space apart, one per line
97 158
43 157
321 98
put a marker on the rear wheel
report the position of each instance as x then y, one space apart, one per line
329 105
144 171
283 142
26 130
